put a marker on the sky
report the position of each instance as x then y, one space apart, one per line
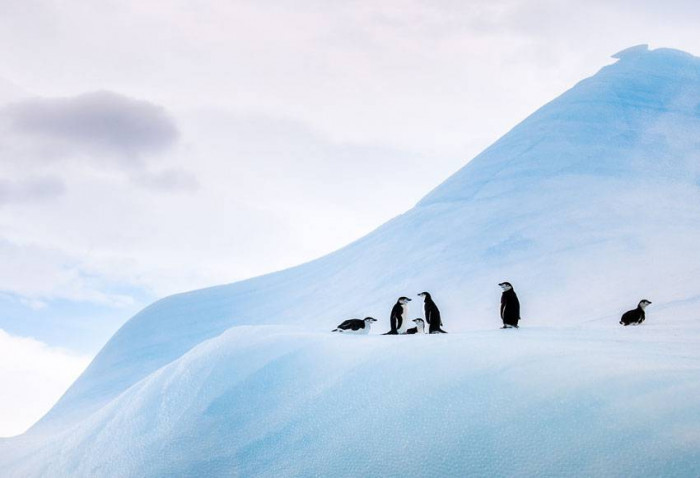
149 148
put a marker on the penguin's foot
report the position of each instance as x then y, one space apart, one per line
391 332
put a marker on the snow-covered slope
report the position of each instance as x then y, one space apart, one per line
587 206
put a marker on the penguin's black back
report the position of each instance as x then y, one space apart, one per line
511 314
352 324
634 316
432 315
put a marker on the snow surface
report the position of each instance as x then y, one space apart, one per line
589 205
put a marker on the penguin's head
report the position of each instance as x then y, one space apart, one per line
404 300
425 295
418 321
369 320
643 303
505 286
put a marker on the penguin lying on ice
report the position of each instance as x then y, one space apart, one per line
356 326
635 316
418 329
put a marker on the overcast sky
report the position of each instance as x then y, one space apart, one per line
152 147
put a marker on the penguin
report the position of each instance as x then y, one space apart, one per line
399 317
418 329
635 316
510 306
356 326
432 314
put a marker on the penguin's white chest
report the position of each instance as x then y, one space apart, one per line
404 325
363 331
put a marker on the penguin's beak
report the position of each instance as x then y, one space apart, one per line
408 299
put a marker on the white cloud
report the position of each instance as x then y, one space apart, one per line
35 273
168 180
33 376
30 189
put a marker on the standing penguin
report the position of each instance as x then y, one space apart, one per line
432 314
510 306
635 316
399 317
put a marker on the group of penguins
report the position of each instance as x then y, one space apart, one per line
509 311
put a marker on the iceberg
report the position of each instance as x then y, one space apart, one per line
587 206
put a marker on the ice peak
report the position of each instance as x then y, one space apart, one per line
616 123
631 51
659 60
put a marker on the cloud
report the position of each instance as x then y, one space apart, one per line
9 91
101 132
168 180
95 124
33 376
36 273
30 190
